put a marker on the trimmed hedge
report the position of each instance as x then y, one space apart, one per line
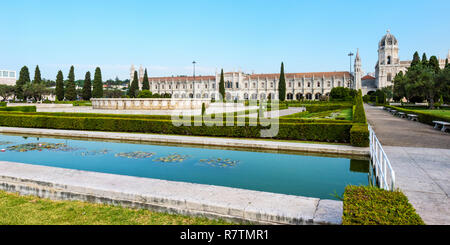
422 116
327 132
19 108
359 115
359 135
3 103
365 205
323 107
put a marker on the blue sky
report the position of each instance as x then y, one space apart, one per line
252 35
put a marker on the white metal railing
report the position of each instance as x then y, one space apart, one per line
383 170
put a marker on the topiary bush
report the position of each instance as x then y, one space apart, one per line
19 108
359 135
364 205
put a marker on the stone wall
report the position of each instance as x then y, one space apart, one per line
148 104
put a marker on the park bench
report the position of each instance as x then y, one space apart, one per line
394 112
438 124
413 117
401 114
388 109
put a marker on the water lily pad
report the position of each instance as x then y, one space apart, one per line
219 162
40 146
172 158
135 154
95 152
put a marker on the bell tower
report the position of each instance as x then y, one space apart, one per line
358 71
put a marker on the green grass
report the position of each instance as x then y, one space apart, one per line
31 210
435 112
364 205
344 114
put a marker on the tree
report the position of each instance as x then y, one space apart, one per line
446 63
35 90
424 59
282 85
222 86
59 86
113 93
145 83
342 94
97 90
399 86
6 91
434 64
416 59
24 78
86 93
37 75
71 93
133 90
145 94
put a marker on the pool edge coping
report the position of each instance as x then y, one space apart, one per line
197 140
232 204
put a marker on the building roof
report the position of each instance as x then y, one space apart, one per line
256 76
181 78
367 77
307 74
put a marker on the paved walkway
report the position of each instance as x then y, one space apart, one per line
420 156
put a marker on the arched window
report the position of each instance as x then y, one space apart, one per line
389 60
309 84
389 77
318 84
309 96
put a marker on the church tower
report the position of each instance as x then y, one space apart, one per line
141 76
388 64
358 71
132 73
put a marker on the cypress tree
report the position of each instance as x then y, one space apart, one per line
59 86
71 93
24 78
145 83
133 90
446 63
434 64
97 90
424 59
282 85
222 86
37 75
87 90
416 59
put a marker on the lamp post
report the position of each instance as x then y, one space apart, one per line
193 62
350 56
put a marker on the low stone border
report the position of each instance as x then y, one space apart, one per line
197 140
168 196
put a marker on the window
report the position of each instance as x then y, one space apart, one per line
318 84
262 85
271 85
214 86
254 85
299 84
5 74
309 84
328 83
389 60
237 85
339 83
389 77
206 86
246 87
290 84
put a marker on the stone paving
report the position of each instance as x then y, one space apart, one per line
420 157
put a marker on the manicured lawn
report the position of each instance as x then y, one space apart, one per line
30 210
436 112
345 114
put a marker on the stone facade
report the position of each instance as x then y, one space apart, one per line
242 86
148 104
7 77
